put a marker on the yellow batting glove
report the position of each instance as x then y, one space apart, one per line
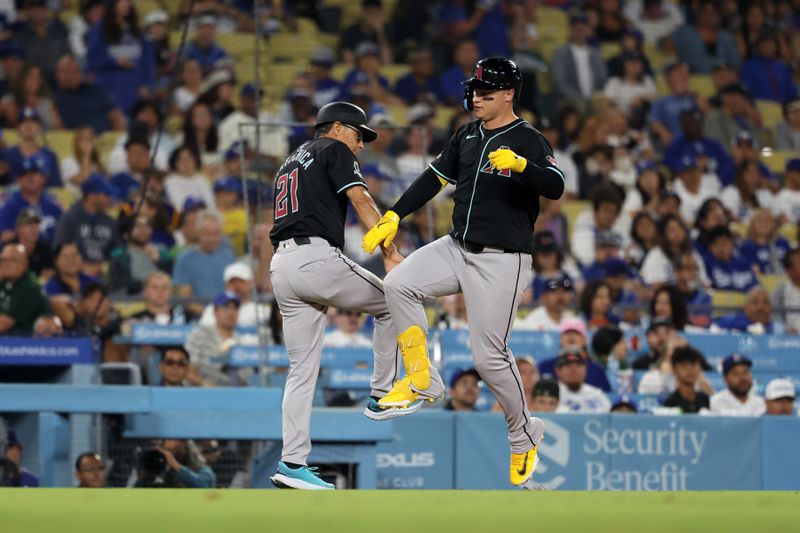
382 233
505 159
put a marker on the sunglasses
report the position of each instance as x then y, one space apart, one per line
173 362
359 135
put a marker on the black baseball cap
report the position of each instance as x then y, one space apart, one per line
461 373
734 360
659 322
562 282
346 113
544 242
547 388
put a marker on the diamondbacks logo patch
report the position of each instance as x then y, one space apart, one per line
489 169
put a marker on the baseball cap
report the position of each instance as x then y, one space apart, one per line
562 282
29 113
659 322
546 388
193 202
607 238
156 17
381 120
625 400
322 55
461 373
237 270
224 298
733 360
776 389
250 89
573 324
419 112
12 439
743 136
367 48
544 242
96 184
233 150
228 183
605 339
793 165
34 164
685 163
614 266
28 215
571 354
216 78
207 20
11 49
734 88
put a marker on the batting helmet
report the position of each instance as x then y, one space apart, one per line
493 74
346 113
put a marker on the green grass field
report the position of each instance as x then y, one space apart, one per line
229 511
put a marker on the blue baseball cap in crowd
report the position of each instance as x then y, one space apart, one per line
743 136
228 183
686 162
625 400
733 360
224 298
29 113
233 151
614 266
250 89
323 56
562 282
644 165
607 238
96 184
193 202
9 48
793 165
461 373
34 164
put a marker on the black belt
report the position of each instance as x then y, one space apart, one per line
300 241
480 248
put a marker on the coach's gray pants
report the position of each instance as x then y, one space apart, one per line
492 282
306 280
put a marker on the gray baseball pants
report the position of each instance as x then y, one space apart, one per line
492 282
306 280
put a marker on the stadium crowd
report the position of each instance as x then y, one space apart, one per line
129 176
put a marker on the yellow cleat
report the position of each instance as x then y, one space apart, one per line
401 395
523 465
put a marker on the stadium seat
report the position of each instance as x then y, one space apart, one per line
237 44
776 159
702 85
770 281
771 112
61 142
728 300
609 50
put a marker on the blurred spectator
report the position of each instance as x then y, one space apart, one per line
787 201
575 395
787 133
14 454
656 19
633 89
198 270
366 79
326 89
551 314
529 375
122 61
668 304
156 26
464 390
378 152
90 12
545 397
607 246
48 326
686 367
465 55
125 183
11 59
725 268
185 179
369 28
208 54
595 305
549 128
187 233
30 195
548 262
29 129
658 335
144 127
712 213
90 471
578 68
756 318
645 194
709 155
752 25
132 262
765 76
157 291
68 278
82 103
573 333
93 316
735 114
207 344
610 348
625 404
218 94
687 284
763 249
629 43
38 250
85 158
228 199
200 134
779 396
416 157
609 25
524 35
666 112
9 474
644 237
674 240
737 399
786 297
174 367
87 224
703 43
744 151
274 139
454 312
29 90
347 334
747 193
239 280
21 298
42 35
190 88
187 467
420 85
692 186
606 207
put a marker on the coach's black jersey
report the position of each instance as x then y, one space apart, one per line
310 199
498 207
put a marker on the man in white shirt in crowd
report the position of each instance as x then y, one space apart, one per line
576 396
786 298
737 399
780 394
346 334
550 315
238 279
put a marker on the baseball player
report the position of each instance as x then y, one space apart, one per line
500 166
309 272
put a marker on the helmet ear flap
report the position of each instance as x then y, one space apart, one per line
467 102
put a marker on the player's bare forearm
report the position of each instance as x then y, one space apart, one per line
368 213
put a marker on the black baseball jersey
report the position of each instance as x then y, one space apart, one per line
498 207
309 191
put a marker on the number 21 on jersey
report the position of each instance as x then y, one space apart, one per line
286 186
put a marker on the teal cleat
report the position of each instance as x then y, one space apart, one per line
303 478
374 411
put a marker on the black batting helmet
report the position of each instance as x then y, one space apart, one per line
346 113
493 74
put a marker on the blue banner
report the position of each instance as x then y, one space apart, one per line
779 438
159 334
45 351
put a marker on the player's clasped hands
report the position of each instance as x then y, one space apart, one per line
504 159
382 233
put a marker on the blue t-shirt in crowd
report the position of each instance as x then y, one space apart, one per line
595 374
356 77
699 307
14 158
492 33
56 286
733 275
759 254
450 85
208 58
408 89
739 322
326 91
667 111
122 184
768 79
719 162
203 271
88 105
48 209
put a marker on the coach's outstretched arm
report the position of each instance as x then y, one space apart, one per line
426 186
546 178
369 216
